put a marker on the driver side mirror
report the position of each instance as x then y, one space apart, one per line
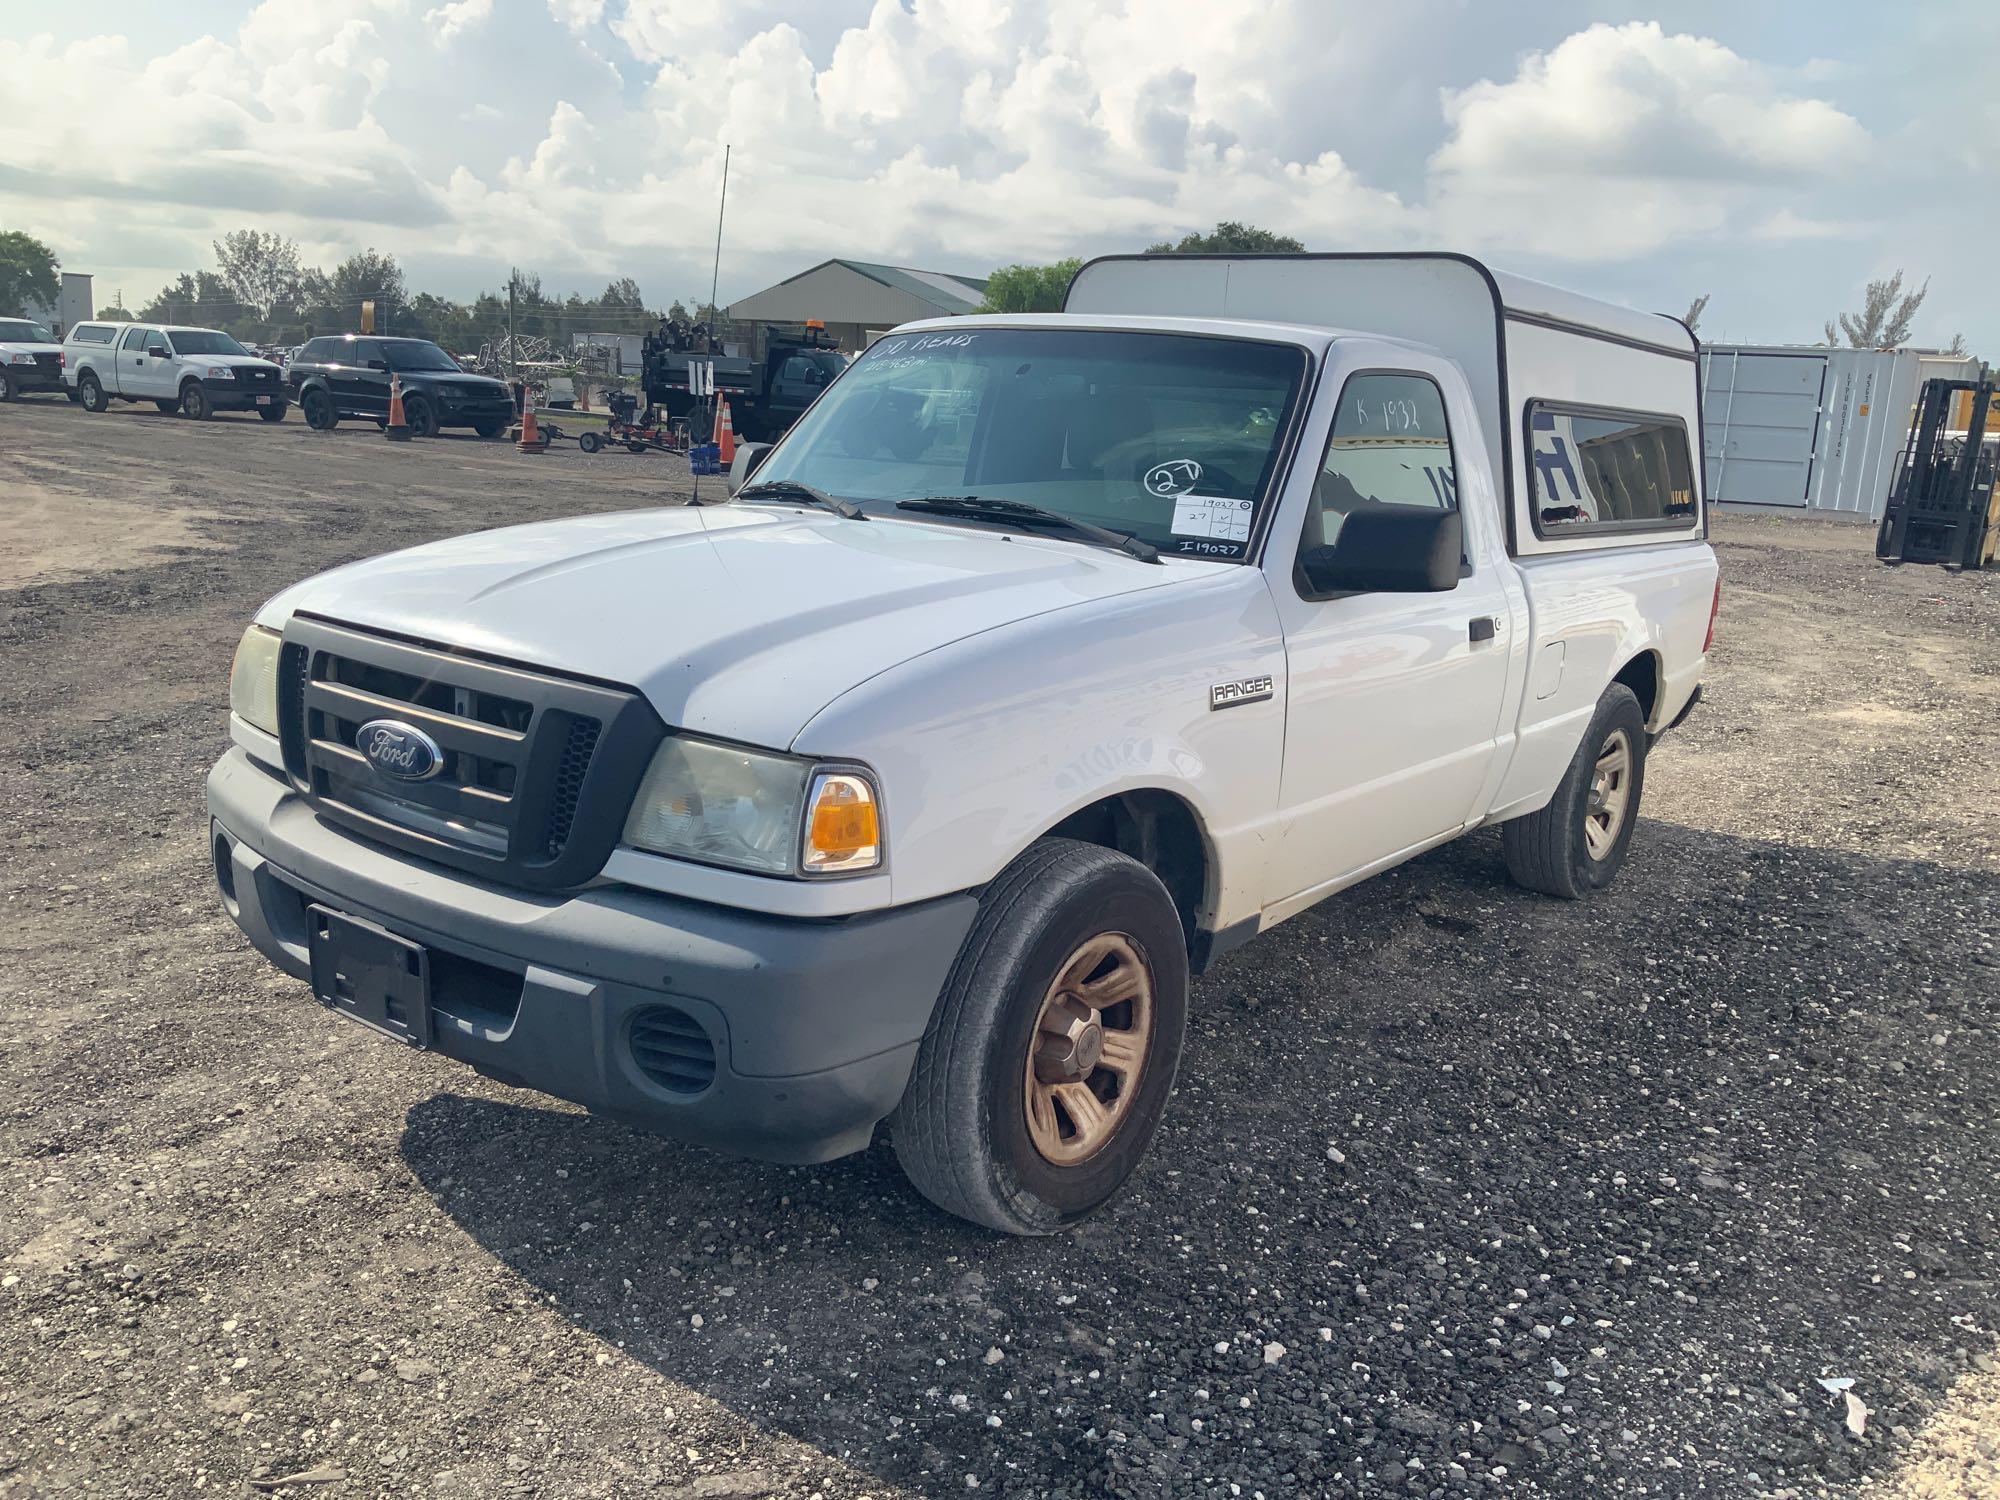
748 457
1391 549
158 351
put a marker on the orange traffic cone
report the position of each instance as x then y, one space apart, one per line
532 440
725 437
398 430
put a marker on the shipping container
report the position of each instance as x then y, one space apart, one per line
1808 428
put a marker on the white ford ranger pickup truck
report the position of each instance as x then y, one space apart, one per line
1046 659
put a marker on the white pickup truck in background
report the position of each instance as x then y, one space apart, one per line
195 372
1043 661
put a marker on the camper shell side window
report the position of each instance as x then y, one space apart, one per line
1599 471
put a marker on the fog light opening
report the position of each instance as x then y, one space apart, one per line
225 872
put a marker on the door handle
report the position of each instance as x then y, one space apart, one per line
1484 628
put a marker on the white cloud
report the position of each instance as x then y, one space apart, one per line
458 18
1624 139
585 137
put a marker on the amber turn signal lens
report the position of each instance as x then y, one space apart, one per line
843 829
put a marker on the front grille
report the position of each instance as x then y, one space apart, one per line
537 771
49 366
669 1047
251 375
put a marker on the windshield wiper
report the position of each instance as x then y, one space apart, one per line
980 508
791 489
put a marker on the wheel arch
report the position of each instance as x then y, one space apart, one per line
1641 673
1162 831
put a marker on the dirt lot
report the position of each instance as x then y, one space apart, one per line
1464 1191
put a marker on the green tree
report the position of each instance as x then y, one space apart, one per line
1229 238
113 314
1884 319
1020 289
331 301
28 273
203 299
262 269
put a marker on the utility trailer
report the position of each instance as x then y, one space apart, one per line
783 374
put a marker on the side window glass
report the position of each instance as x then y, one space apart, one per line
1391 445
364 350
135 340
795 369
1605 470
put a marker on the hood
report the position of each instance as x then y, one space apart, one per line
741 621
233 361
452 377
23 346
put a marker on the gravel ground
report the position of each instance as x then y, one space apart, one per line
1464 1191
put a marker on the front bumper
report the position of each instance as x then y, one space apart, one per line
236 395
813 1025
39 376
455 410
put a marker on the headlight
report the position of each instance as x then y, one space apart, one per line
221 372
749 810
253 678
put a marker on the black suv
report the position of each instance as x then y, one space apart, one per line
347 375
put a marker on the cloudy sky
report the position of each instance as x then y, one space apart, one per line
1776 155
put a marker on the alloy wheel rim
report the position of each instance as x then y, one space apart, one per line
1088 1050
1610 795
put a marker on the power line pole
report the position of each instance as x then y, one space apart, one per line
715 277
513 347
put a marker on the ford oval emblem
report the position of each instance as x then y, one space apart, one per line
399 750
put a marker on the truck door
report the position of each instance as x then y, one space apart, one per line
134 376
1394 700
795 386
357 384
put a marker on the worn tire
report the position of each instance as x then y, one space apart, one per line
589 442
961 1131
195 405
90 393
1549 851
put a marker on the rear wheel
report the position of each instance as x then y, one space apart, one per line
90 393
1577 843
195 405
318 409
589 442
1048 1062
635 447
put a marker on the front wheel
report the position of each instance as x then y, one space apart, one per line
421 415
1577 843
195 405
589 442
90 393
8 390
1047 1064
318 409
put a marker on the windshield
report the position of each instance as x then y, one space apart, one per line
203 341
18 331
1171 438
419 357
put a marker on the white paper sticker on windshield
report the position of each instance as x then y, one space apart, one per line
1213 517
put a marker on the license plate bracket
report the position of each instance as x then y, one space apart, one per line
263 400
370 975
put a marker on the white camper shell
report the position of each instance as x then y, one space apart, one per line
1537 357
